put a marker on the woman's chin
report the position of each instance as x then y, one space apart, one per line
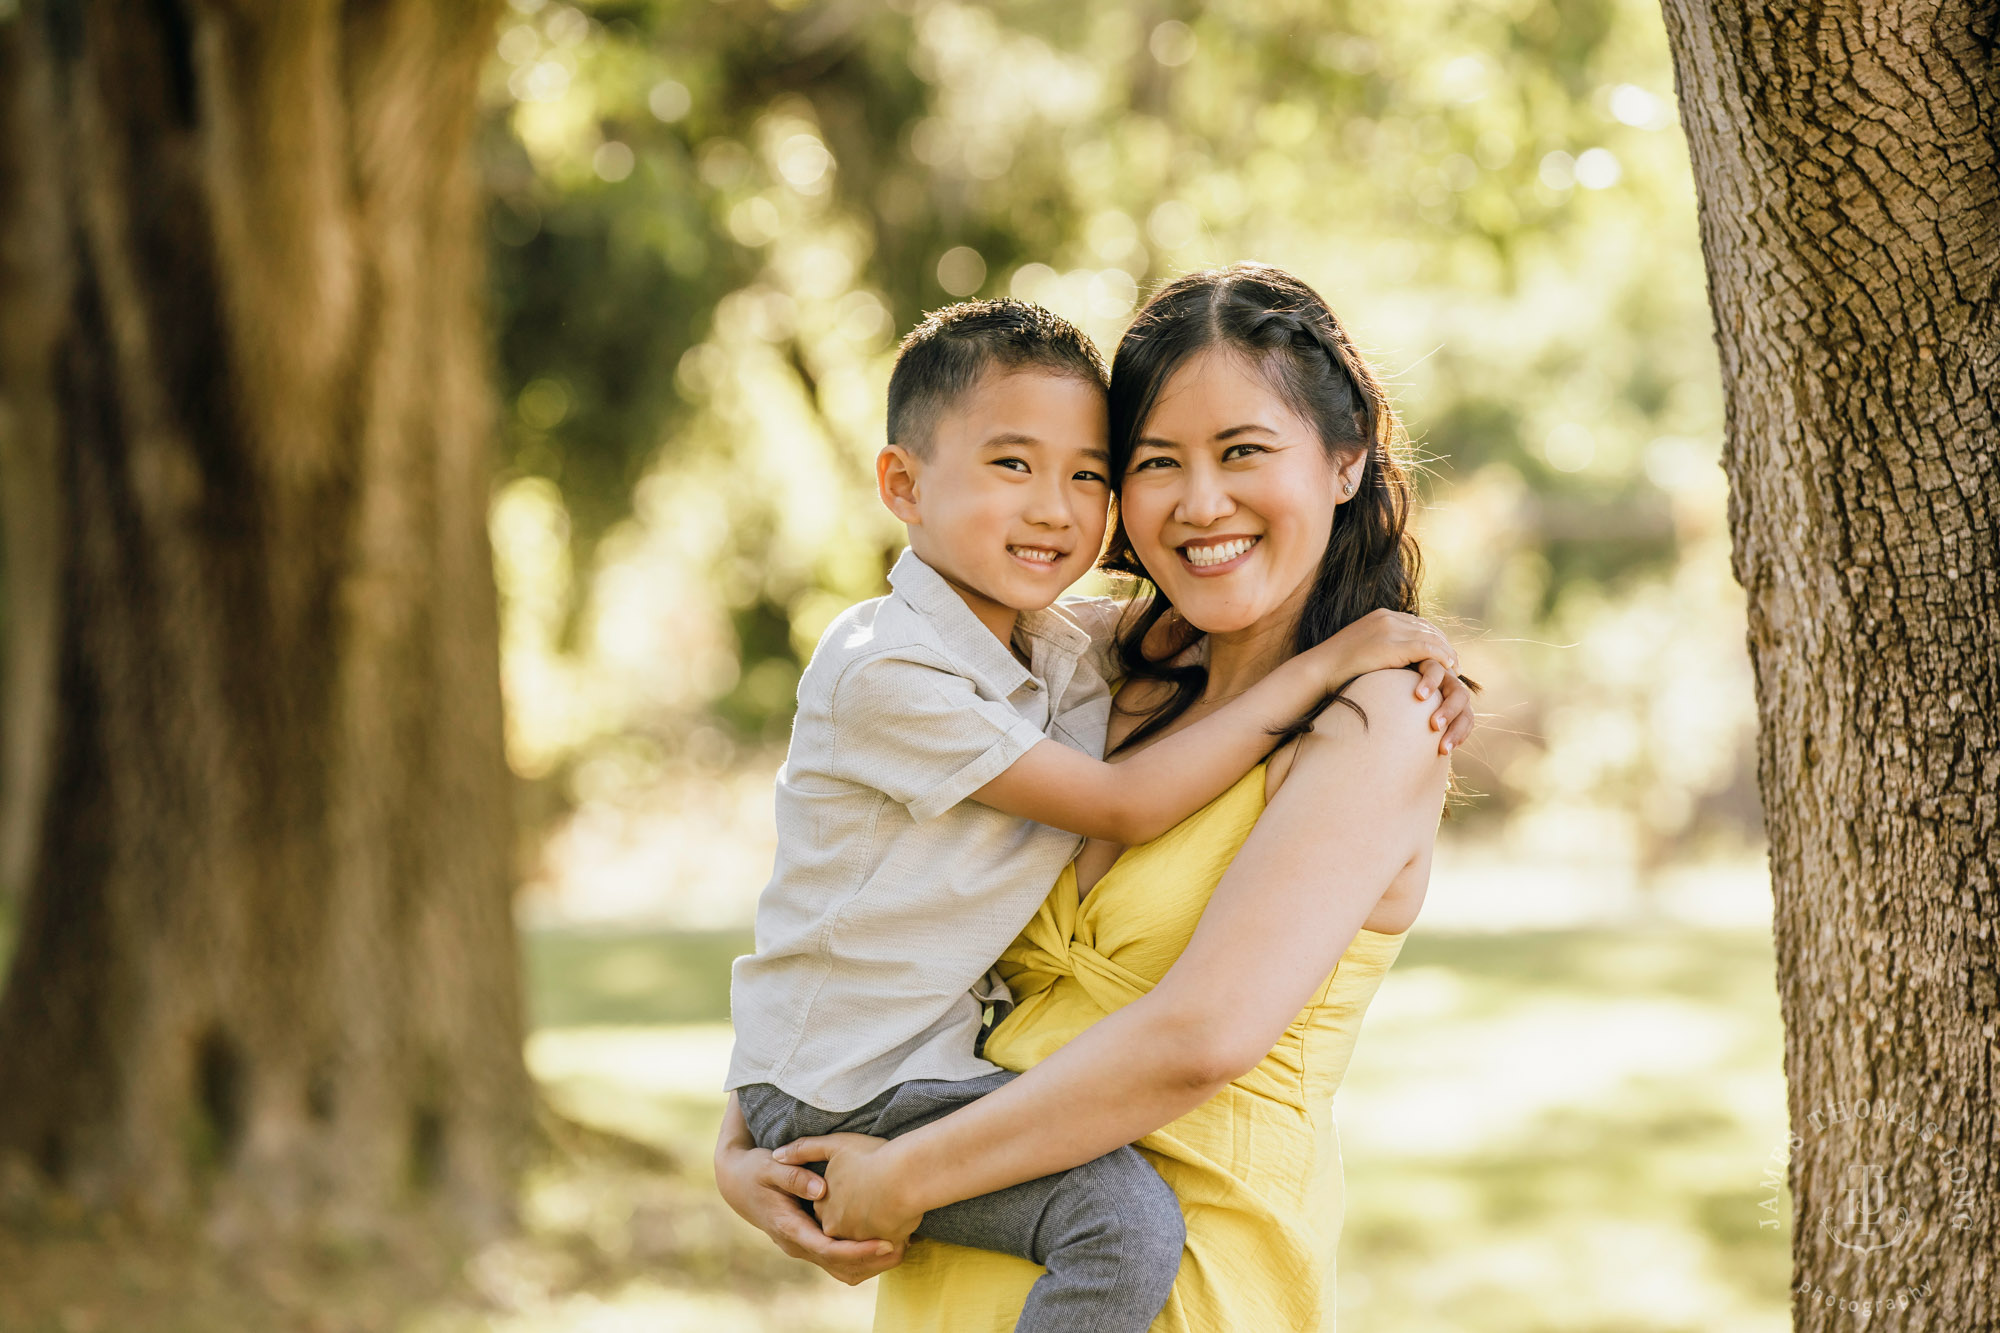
1212 615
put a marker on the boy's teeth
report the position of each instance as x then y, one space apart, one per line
1041 553
1215 555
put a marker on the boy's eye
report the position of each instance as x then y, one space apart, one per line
1087 475
1016 464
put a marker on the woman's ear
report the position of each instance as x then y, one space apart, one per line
1347 477
896 473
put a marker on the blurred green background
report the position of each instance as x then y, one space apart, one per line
710 222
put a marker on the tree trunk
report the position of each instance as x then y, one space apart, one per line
1849 182
267 974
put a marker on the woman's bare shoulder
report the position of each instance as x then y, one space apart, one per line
1385 698
1378 720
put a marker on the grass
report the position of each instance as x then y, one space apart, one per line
578 978
1545 1131
1552 1130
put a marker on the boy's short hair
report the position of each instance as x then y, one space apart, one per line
945 356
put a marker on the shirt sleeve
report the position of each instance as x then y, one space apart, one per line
1100 618
921 733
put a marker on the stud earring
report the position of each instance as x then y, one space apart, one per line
1347 487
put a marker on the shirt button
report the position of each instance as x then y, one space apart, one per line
1034 685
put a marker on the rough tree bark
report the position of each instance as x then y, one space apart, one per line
267 975
1846 160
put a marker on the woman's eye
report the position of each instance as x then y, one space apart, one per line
1143 464
1231 450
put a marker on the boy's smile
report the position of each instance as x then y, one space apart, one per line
1010 499
1036 557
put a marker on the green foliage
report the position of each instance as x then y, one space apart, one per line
712 220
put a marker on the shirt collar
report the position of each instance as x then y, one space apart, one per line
1052 640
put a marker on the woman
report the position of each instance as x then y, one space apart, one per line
1199 994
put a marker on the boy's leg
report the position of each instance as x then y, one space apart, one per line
775 1118
1110 1232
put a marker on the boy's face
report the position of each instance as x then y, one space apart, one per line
1010 503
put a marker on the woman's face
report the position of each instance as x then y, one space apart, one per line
1229 497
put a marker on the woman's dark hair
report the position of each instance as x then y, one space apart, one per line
1283 327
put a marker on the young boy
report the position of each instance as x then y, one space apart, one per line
944 761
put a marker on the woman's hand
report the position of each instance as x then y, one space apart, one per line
862 1196
765 1193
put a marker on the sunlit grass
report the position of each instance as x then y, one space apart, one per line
657 1084
577 978
646 1305
1565 1130
1552 1130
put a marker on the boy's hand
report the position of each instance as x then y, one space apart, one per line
860 1186
1378 641
1385 639
1453 715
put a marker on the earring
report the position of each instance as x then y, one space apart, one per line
1347 487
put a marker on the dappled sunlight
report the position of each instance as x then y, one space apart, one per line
675 845
1501 213
1554 1129
1566 1130
1509 1069
682 1060
1628 1274
687 846
1562 1101
649 1306
683 245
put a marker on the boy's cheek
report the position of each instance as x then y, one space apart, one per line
1098 523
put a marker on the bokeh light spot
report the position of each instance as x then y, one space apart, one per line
1598 169
1172 43
613 161
960 270
669 100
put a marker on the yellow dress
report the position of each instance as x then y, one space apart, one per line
1256 1167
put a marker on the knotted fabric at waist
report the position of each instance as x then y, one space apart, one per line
1032 970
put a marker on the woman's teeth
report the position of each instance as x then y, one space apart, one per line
1220 554
1041 555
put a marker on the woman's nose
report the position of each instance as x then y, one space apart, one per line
1204 500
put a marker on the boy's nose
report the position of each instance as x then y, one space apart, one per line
1049 507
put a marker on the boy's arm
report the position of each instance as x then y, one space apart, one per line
1292 900
1137 799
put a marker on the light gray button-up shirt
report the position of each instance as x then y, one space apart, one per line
893 894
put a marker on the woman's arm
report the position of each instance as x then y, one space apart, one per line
765 1194
1359 806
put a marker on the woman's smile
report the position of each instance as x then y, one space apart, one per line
1210 556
